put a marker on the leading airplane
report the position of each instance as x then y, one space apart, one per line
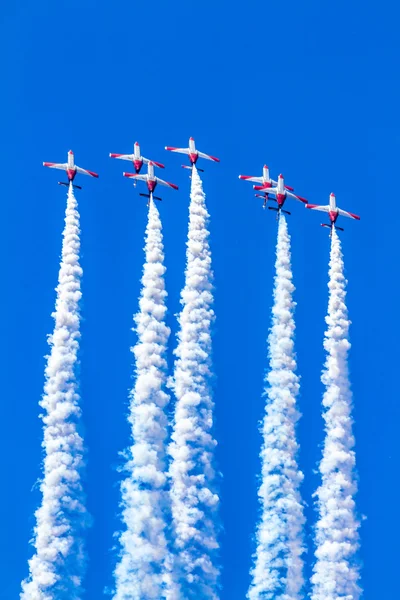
136 159
281 194
151 181
265 180
193 154
71 169
333 212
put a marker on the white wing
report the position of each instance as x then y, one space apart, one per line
317 207
123 156
85 172
344 213
271 190
136 176
208 156
253 179
179 150
62 166
167 183
298 198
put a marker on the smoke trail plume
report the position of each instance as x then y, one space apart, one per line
194 500
58 565
278 567
336 572
142 571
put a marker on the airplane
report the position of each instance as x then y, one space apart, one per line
71 168
151 181
281 194
192 153
264 180
137 160
333 212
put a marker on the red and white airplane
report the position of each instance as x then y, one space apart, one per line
281 194
333 212
151 180
71 168
137 160
192 153
265 180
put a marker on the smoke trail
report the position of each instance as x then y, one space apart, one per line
142 571
194 501
58 565
336 573
278 568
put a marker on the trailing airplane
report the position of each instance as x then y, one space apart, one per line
151 181
192 153
265 180
281 194
136 159
71 169
333 212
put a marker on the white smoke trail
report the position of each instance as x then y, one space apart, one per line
141 573
58 565
336 572
194 500
278 567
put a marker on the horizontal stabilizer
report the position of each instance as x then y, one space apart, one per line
149 196
78 187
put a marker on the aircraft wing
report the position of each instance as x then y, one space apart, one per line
344 213
167 184
179 150
253 179
147 161
318 207
135 176
270 190
299 198
208 156
85 172
123 156
62 166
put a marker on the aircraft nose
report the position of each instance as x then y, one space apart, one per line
70 152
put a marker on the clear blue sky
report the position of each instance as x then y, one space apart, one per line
310 88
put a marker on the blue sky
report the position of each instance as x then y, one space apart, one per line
309 88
